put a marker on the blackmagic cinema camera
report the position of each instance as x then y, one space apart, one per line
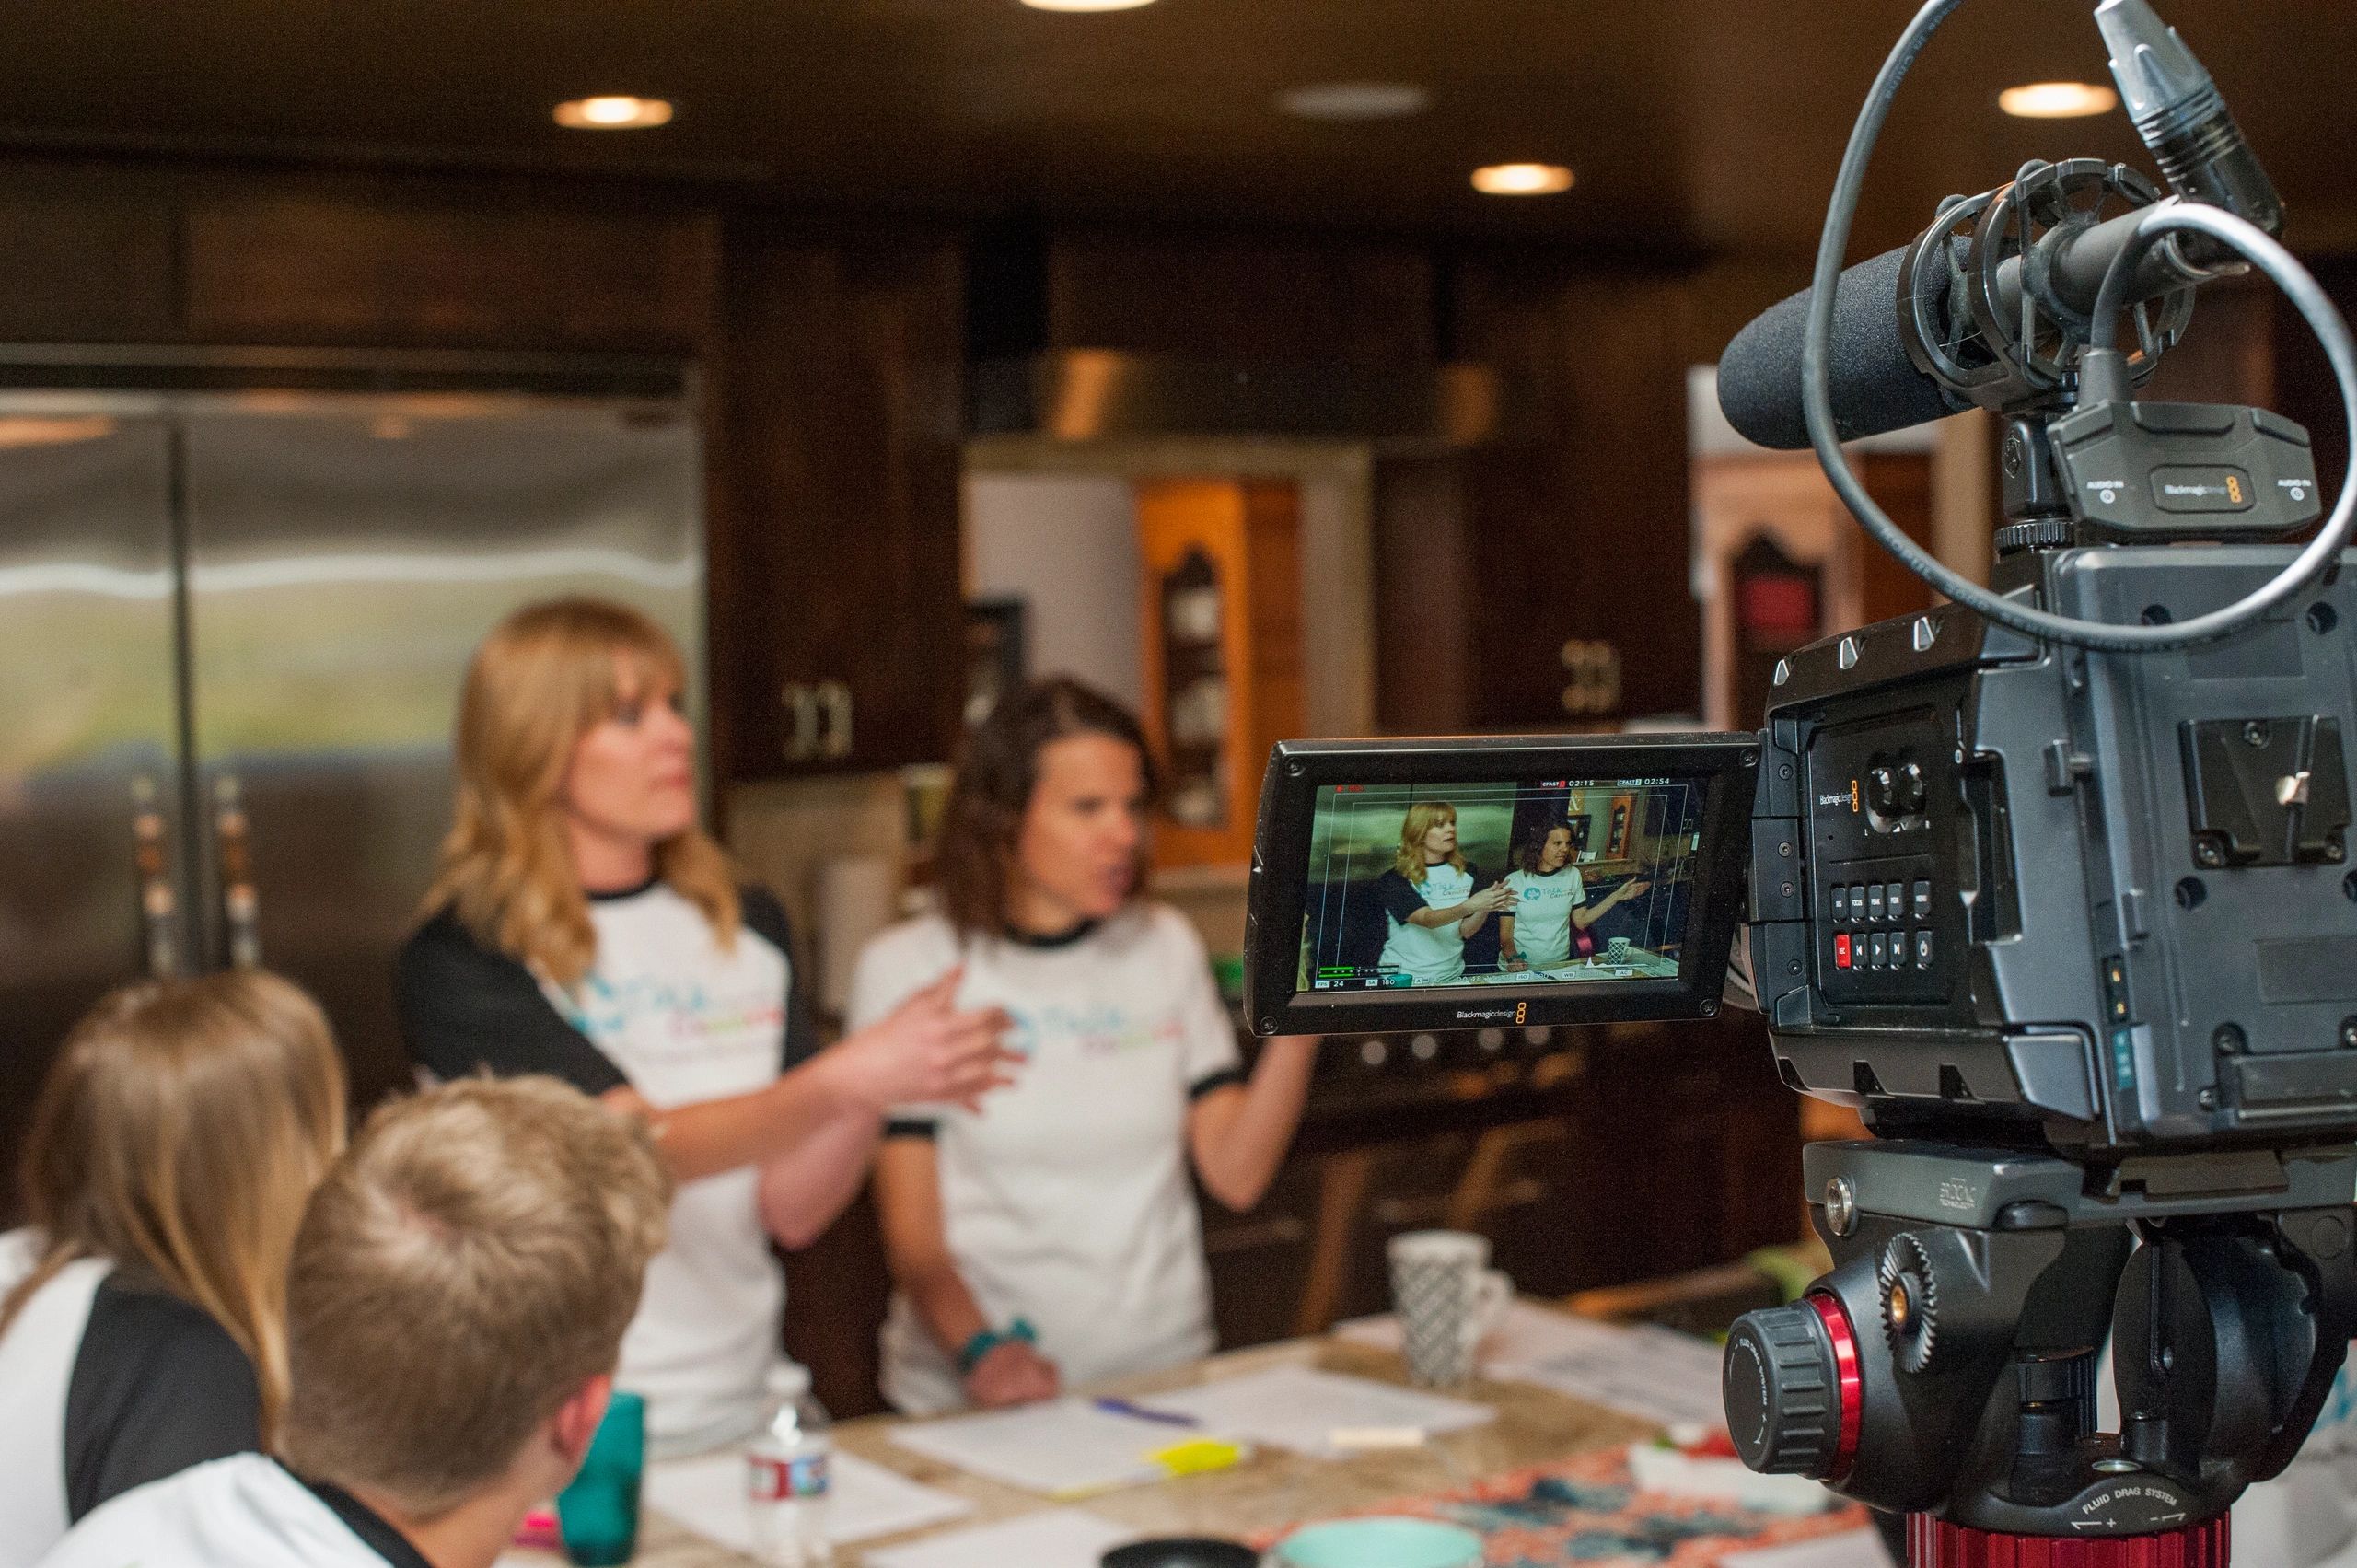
2050 882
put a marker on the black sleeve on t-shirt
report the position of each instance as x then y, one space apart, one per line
157 1386
765 918
1399 895
1222 1079
464 1007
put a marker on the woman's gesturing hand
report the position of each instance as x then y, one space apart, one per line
1012 1373
928 1050
1495 897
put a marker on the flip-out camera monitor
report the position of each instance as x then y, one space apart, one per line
1472 882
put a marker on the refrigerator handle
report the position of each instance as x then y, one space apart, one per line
834 699
152 856
802 741
239 904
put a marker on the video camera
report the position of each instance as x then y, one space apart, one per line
2050 882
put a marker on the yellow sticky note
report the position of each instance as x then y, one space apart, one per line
1196 1454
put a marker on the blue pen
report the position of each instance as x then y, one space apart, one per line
1124 1407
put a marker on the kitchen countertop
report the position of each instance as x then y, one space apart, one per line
1271 1490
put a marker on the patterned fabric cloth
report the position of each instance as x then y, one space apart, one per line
1585 1511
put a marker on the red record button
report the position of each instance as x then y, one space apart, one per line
1842 950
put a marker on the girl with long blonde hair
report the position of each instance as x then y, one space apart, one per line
1429 903
142 1308
584 924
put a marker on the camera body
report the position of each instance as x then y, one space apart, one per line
2024 894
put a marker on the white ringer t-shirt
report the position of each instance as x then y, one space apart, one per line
667 1011
1068 1200
246 1511
1434 955
1542 920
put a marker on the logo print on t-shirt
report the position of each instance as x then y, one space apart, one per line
690 1020
1097 1031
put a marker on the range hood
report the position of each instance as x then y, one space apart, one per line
1082 395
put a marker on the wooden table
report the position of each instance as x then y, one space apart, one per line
1272 1488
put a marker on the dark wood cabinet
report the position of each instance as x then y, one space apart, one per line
836 626
298 267
87 260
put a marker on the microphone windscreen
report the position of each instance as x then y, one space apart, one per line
1875 386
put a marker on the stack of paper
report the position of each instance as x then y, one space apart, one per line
1302 1409
1066 1447
1060 1538
1648 1371
707 1496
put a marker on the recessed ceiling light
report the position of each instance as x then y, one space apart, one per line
2057 101
1522 179
614 112
1085 4
1354 100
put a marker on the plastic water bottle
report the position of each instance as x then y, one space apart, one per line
785 1474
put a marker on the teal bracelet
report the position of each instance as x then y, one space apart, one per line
988 1339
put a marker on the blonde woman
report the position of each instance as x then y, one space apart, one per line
1429 905
143 1311
584 926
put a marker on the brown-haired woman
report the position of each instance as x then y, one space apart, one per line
142 1308
1051 1233
583 926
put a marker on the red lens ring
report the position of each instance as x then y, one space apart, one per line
1847 1375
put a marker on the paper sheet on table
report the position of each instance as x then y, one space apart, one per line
1852 1549
1644 1370
1060 1538
1300 1407
706 1494
1062 1449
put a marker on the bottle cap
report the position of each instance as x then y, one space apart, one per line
787 1380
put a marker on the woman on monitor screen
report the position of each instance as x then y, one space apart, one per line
1551 914
1429 905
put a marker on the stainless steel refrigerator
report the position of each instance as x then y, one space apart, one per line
233 625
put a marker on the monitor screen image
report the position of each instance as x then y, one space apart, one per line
1415 885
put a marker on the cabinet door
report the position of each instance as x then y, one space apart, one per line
89 748
837 628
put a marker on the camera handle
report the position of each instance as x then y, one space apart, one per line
2214 222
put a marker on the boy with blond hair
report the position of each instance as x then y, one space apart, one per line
455 1309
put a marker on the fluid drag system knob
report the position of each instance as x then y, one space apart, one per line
1789 1382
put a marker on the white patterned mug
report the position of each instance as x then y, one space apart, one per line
1447 1298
